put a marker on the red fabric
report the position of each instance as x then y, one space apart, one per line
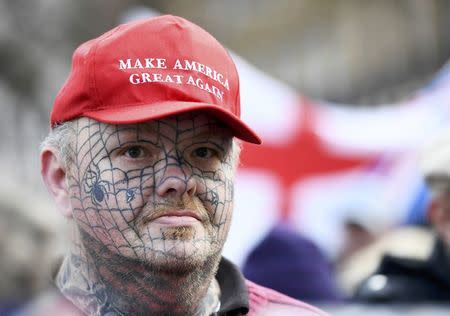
303 157
261 297
150 69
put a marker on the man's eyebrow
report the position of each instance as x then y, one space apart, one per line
138 129
127 129
215 134
214 127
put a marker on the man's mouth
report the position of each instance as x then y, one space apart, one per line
174 217
177 218
188 212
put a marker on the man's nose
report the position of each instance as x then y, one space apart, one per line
175 181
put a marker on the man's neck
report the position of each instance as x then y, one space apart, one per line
100 282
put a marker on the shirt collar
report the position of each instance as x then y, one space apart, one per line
234 294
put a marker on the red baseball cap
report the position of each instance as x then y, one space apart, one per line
151 69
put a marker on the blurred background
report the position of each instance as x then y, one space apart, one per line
344 94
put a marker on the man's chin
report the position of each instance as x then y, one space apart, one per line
182 257
177 266
178 234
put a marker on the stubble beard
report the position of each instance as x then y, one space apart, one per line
180 252
176 250
179 249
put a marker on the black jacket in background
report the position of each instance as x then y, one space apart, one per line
401 280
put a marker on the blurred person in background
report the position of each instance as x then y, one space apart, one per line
358 234
404 241
23 257
292 264
142 157
426 279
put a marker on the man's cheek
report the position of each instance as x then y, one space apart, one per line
132 190
129 202
229 190
219 203
215 192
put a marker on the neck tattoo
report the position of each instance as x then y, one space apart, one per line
88 286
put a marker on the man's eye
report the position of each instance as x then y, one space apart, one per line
135 152
205 152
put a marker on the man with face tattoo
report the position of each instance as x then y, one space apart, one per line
141 157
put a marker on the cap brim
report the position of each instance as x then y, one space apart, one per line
142 113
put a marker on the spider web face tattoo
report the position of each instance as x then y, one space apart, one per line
160 193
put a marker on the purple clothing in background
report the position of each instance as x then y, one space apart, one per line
291 264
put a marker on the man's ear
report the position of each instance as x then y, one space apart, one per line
53 173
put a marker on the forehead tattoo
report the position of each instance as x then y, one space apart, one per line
111 198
